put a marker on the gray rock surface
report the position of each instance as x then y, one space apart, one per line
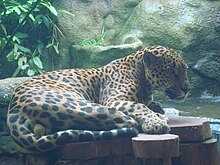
97 56
177 24
8 146
90 17
6 88
190 26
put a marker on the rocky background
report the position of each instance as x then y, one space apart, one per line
189 26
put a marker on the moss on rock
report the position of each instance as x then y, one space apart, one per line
96 56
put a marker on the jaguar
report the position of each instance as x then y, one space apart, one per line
75 105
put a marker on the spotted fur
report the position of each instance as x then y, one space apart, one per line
91 104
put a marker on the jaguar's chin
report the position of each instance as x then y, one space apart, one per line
176 94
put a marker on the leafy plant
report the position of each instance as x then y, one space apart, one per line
38 32
97 41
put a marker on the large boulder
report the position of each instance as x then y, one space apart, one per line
190 26
97 56
178 24
7 86
91 16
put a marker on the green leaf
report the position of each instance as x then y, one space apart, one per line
45 3
49 45
22 61
21 35
3 41
38 62
23 9
53 10
14 54
17 71
40 71
103 33
31 2
15 47
3 28
66 12
9 10
38 20
32 17
50 7
17 10
56 49
10 56
21 17
23 67
91 42
40 46
46 21
31 72
24 49
16 39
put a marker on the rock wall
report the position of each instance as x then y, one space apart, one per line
7 144
190 26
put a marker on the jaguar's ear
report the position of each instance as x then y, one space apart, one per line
150 59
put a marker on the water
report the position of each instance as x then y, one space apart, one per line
202 107
206 106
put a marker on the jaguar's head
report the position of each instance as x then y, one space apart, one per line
166 70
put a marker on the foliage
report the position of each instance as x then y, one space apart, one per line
37 33
94 42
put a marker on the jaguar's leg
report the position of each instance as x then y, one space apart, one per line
93 116
74 113
156 107
150 122
153 105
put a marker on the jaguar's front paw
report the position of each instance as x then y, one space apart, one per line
155 125
156 107
162 117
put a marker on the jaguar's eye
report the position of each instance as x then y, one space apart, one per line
170 70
